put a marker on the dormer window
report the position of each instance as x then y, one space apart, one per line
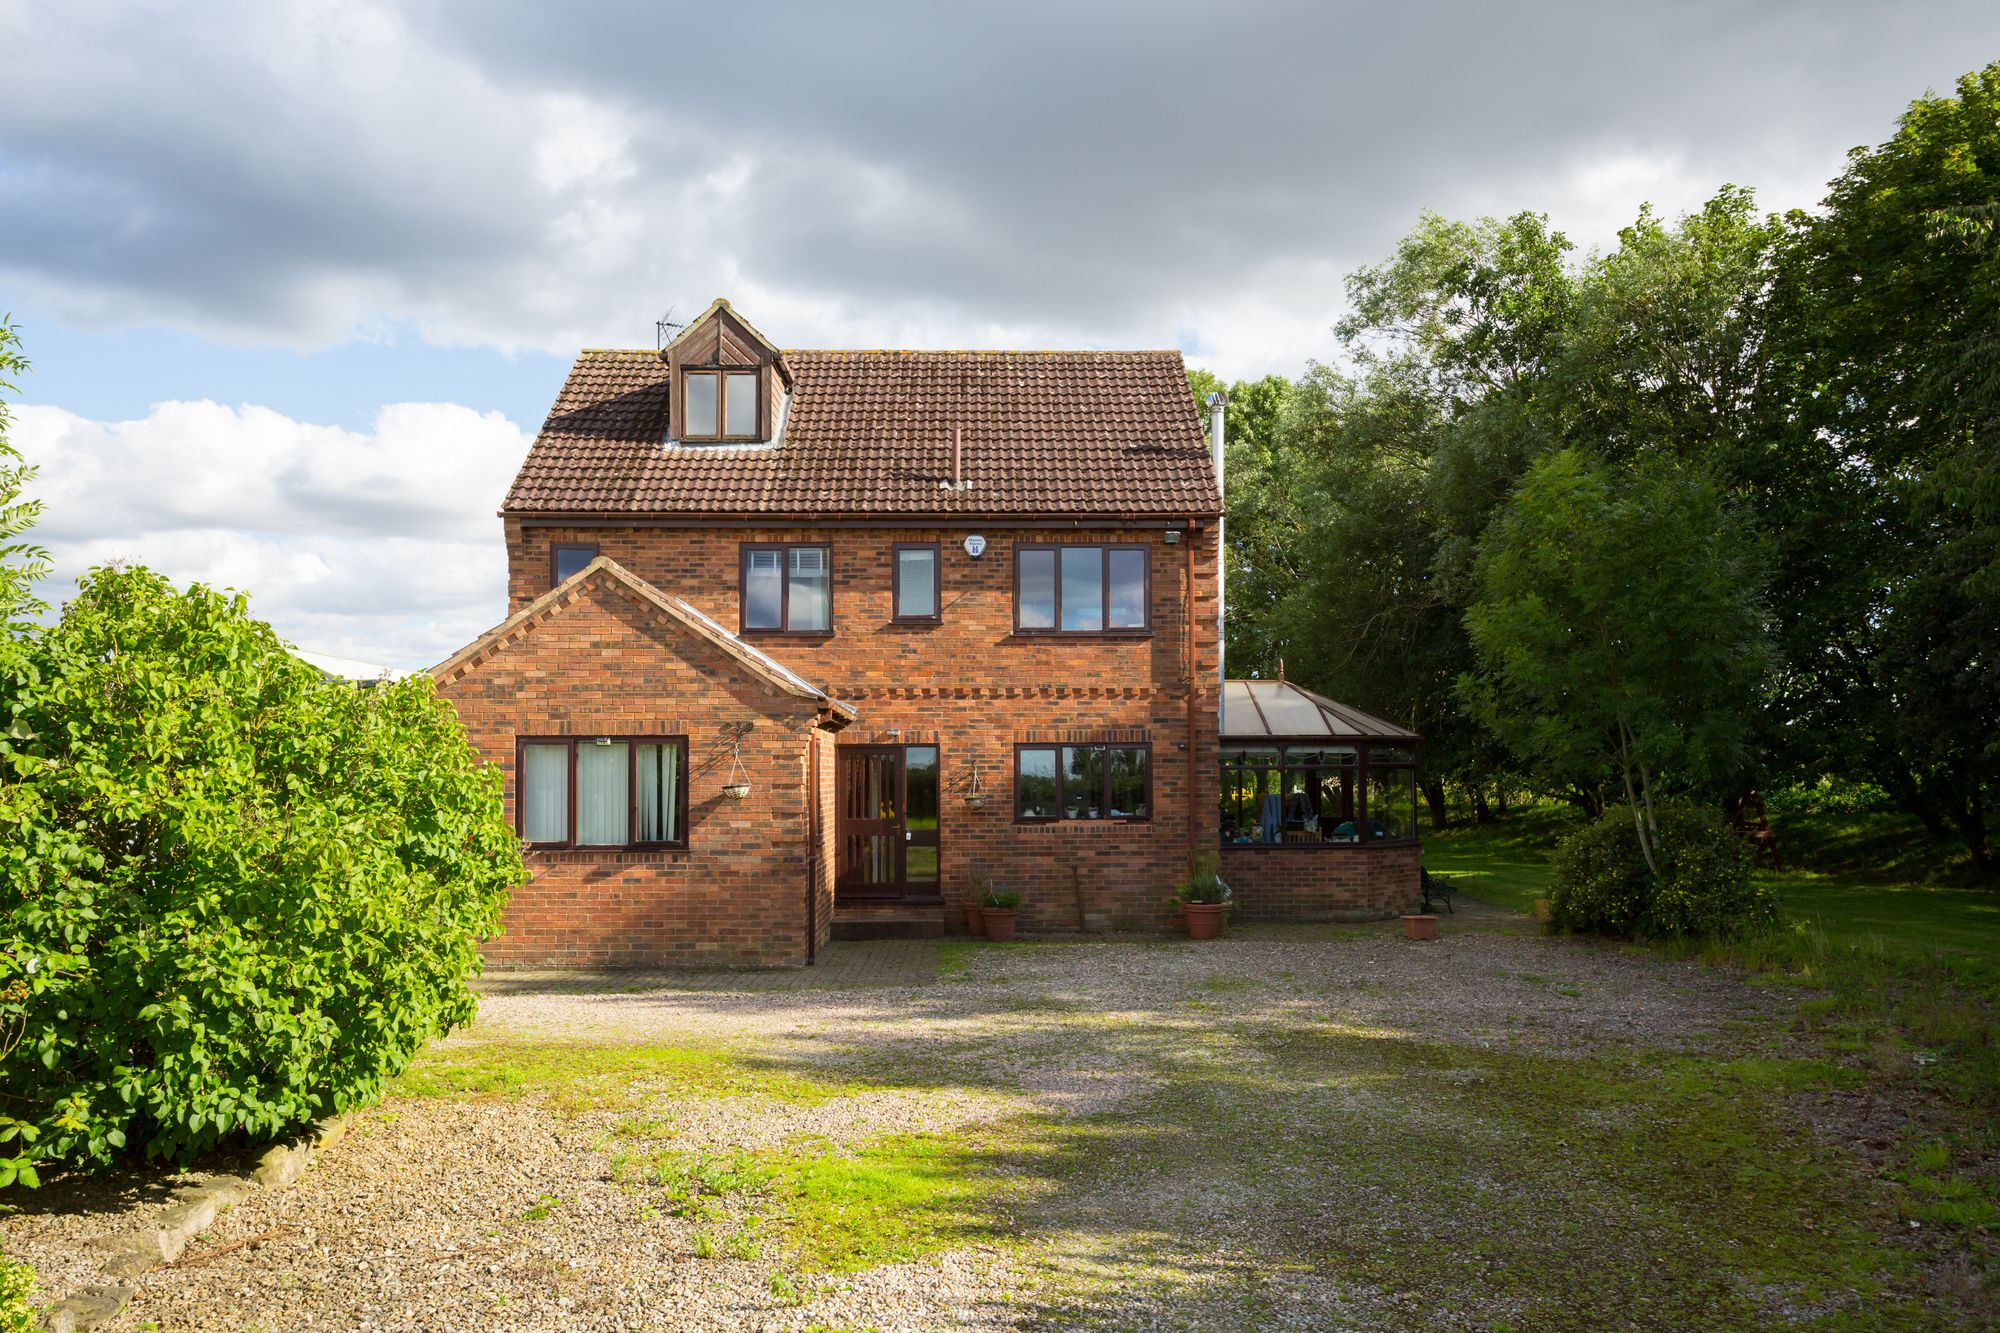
729 382
721 405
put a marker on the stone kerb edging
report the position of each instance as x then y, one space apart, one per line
132 1252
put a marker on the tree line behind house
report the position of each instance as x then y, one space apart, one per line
1715 510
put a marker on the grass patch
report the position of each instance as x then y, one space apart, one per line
587 1076
899 1198
1910 972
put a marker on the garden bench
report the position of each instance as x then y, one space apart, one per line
1438 890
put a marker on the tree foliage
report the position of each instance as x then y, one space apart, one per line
21 562
1619 623
235 895
1836 377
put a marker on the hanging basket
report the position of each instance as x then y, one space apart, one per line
738 786
975 800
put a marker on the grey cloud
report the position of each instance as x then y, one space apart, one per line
1091 172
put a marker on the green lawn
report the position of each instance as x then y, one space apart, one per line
1903 906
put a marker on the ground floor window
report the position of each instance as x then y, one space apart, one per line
1318 794
602 791
1106 781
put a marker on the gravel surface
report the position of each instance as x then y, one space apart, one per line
506 1213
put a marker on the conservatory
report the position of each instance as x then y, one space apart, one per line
1319 805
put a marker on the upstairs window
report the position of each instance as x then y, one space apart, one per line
1081 589
916 582
720 405
568 559
787 589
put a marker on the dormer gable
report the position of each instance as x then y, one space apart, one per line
728 381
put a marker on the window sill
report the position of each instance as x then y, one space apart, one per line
1083 633
1372 845
1083 823
784 633
916 622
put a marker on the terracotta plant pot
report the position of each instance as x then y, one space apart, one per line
1420 926
999 923
973 925
1204 920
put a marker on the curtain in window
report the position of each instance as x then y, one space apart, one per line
659 793
545 793
603 801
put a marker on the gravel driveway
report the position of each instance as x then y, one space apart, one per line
1301 1129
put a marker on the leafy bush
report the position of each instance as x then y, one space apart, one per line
234 896
17 1284
1204 883
1005 900
1704 889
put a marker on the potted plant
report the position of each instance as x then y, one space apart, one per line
980 884
996 913
1202 898
1420 925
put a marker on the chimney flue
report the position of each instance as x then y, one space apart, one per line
1217 403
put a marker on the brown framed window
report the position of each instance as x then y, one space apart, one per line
720 405
787 588
914 582
1082 589
609 793
1091 781
568 559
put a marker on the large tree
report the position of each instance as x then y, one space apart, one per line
1892 297
1619 624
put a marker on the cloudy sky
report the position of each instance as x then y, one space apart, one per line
299 280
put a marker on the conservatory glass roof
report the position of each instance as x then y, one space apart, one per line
1261 709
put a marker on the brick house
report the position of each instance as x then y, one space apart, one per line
806 638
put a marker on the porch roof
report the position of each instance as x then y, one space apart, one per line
1261 710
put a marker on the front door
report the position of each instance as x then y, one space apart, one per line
888 830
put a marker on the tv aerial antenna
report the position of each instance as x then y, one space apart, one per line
665 330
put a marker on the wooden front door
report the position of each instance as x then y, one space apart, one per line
888 829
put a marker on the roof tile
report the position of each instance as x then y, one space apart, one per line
1074 433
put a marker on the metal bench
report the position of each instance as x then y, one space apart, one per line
1438 890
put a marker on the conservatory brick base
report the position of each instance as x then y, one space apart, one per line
1323 884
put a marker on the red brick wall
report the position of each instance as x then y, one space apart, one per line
974 688
1323 884
604 663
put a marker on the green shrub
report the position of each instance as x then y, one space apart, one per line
1204 883
17 1284
1704 889
1005 900
234 896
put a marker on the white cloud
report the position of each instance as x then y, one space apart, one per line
381 545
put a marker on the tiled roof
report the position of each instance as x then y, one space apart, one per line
870 433
611 572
